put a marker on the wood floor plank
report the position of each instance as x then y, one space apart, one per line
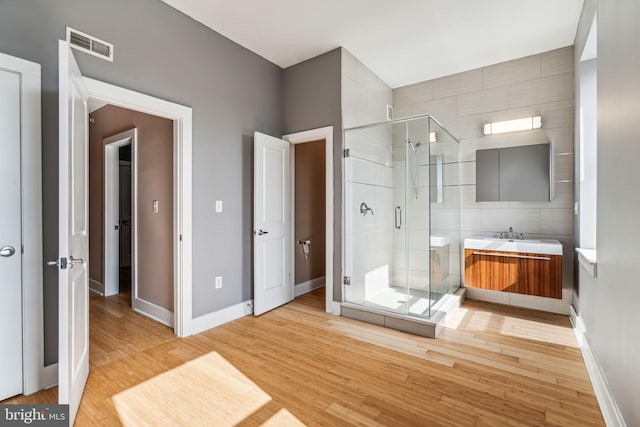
297 365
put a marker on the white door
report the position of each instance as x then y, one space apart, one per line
10 237
272 282
73 315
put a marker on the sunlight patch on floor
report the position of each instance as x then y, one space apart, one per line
205 391
537 331
283 418
454 319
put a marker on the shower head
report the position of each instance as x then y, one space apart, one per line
413 147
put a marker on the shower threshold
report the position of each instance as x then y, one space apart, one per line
429 327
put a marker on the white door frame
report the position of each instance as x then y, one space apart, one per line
182 161
325 133
35 373
112 145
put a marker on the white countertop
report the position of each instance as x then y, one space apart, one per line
546 247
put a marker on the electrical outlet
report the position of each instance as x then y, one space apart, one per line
218 282
218 206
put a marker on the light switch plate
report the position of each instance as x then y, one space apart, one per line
218 206
218 282
155 206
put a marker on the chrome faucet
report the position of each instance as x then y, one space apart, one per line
364 209
514 235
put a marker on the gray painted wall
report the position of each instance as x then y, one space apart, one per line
161 52
311 99
608 304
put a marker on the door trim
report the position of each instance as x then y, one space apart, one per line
31 194
111 205
182 161
325 133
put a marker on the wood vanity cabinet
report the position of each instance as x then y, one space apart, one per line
522 273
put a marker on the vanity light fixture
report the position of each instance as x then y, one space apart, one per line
528 123
433 137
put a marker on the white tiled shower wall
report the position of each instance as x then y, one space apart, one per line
535 85
368 240
421 207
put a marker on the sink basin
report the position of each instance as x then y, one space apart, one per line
439 240
543 247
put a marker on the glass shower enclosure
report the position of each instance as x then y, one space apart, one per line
401 204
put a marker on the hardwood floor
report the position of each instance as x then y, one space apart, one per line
493 366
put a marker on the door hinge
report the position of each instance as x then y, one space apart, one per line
180 238
345 153
346 280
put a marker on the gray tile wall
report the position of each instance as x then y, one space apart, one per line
535 85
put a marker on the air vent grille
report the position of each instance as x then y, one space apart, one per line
89 44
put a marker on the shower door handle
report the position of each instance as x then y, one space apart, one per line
398 217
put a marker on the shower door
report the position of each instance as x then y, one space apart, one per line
387 217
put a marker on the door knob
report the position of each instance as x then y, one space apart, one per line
261 232
7 251
62 263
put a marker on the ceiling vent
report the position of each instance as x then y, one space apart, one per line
89 44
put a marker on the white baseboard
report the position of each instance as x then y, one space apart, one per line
552 305
335 308
49 376
610 410
217 318
96 287
308 286
153 311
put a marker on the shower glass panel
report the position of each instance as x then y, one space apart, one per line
401 216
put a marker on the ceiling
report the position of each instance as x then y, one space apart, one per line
402 41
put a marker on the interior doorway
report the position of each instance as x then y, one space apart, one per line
320 134
131 183
309 219
274 224
125 217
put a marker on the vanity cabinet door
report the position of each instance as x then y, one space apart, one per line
488 270
522 273
539 275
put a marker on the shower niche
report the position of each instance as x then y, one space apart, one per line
402 256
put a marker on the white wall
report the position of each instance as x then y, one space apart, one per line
587 154
609 303
534 85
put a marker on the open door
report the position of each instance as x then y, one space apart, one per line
272 284
73 276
